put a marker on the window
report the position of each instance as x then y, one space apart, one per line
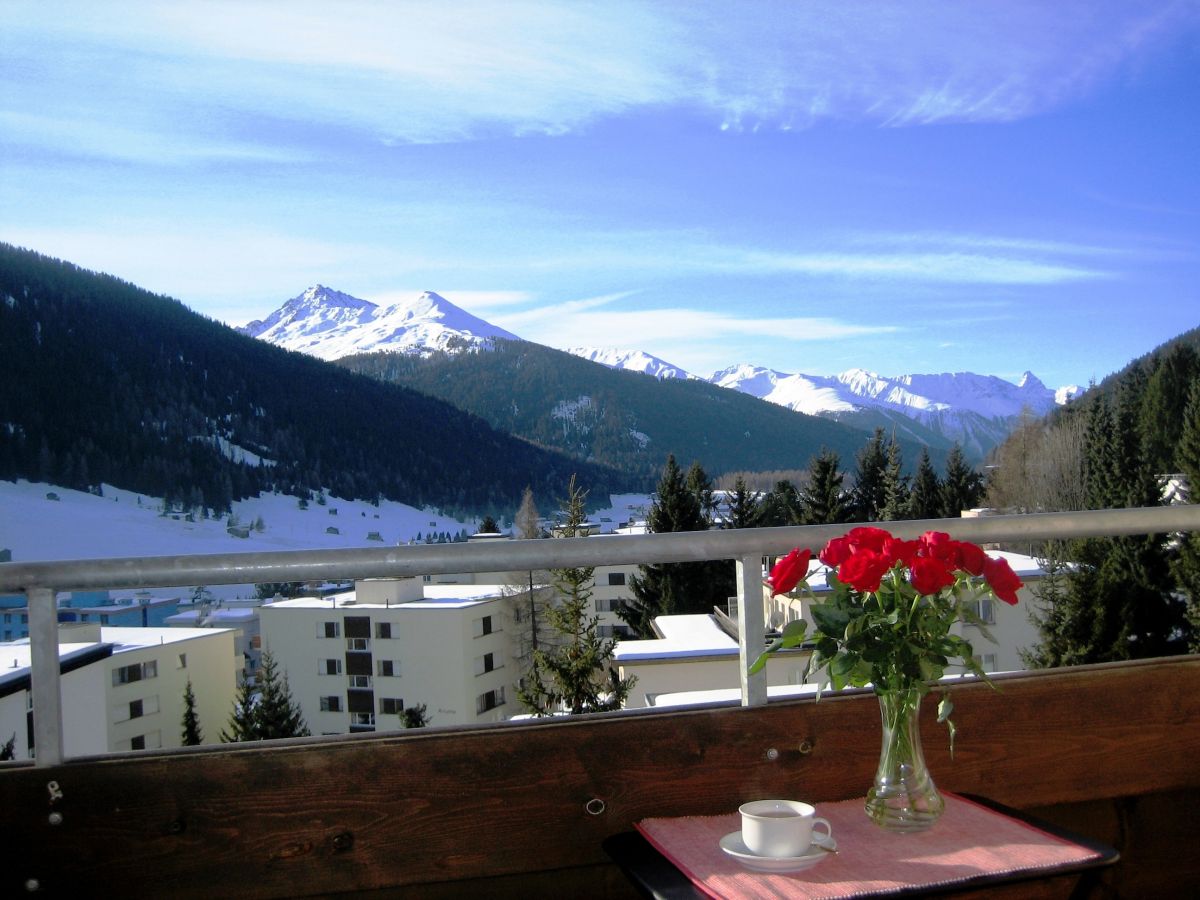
256 642
490 700
606 604
483 626
332 703
485 663
616 579
362 718
988 662
135 672
138 743
982 608
383 629
391 706
135 709
356 644
329 629
388 668
360 681
182 661
329 666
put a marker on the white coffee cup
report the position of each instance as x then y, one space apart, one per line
780 828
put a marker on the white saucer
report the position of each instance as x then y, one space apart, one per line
733 845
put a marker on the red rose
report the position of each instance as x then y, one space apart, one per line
1002 579
868 538
937 544
897 550
930 575
864 570
971 559
789 571
836 552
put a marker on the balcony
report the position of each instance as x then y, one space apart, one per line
521 809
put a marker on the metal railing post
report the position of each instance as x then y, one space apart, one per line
44 673
751 629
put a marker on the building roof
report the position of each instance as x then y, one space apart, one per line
437 596
682 636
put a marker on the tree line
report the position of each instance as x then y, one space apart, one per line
1132 441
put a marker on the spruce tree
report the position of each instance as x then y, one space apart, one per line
278 715
743 506
267 714
577 676
662 589
895 486
191 736
962 487
925 499
780 506
869 488
243 723
823 500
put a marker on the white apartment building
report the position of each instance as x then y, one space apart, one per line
122 688
356 660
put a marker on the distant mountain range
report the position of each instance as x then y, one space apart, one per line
938 410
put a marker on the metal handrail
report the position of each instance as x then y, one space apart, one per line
40 581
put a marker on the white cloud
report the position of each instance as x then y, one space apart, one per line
432 72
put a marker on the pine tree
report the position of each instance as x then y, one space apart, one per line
270 713
530 595
962 487
782 505
1119 601
488 526
191 736
278 715
577 676
663 588
869 488
743 507
895 486
8 750
243 722
823 500
925 499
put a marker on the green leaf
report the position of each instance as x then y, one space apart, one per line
794 633
945 708
830 620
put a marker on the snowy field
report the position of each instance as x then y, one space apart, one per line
33 526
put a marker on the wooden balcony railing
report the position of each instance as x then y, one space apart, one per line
521 809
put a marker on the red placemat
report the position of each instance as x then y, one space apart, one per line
969 842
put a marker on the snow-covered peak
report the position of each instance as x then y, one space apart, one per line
631 360
1067 393
1030 381
330 324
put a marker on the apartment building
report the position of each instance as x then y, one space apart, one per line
356 660
122 688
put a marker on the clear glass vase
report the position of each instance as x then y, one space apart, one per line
903 797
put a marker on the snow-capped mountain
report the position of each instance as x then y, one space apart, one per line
328 324
632 360
976 411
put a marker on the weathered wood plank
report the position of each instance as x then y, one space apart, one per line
368 813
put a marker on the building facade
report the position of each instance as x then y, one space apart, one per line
123 688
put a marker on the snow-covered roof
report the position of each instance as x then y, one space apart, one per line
683 636
437 596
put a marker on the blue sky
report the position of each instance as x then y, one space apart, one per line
811 186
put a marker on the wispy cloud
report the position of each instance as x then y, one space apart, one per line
429 72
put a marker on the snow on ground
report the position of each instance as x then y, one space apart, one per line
79 525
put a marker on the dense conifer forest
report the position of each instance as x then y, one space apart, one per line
102 382
626 420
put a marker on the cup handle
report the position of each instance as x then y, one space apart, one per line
817 820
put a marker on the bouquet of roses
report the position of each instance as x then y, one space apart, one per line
887 619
